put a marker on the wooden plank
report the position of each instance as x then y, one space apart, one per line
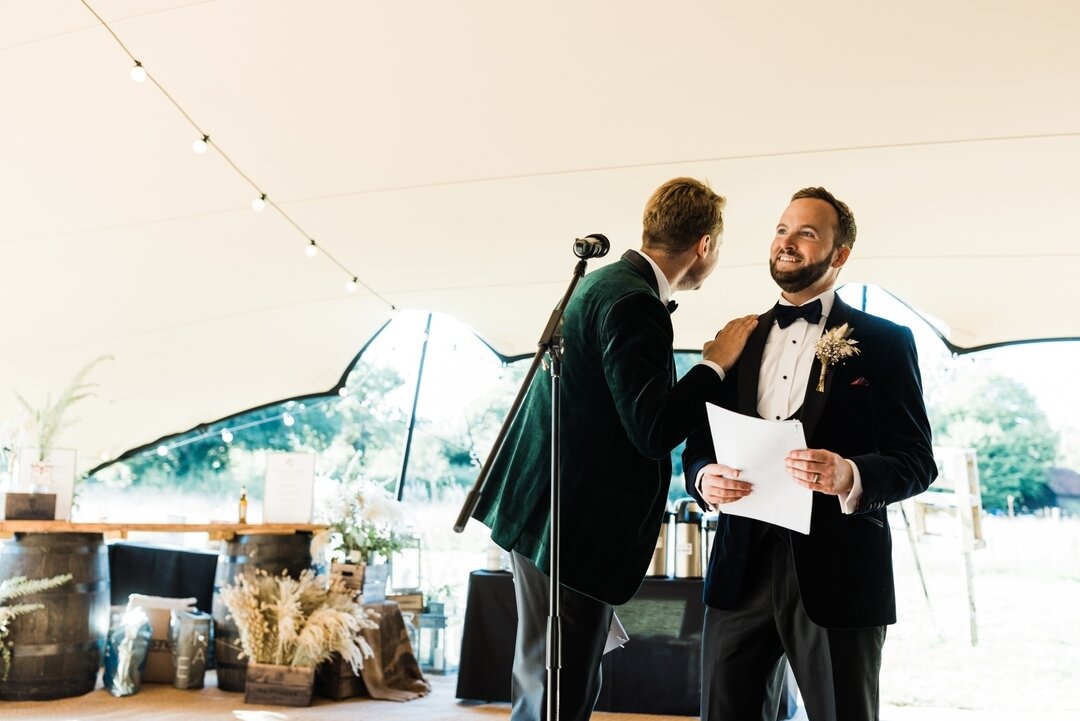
221 530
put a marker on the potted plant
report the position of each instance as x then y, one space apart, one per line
44 424
361 536
289 626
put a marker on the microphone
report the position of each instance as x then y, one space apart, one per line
594 245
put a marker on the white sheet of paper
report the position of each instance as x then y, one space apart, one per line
290 478
616 636
758 447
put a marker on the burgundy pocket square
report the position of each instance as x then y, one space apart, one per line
860 381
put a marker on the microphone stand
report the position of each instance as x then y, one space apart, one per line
551 344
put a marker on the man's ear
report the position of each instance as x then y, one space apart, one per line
704 243
841 257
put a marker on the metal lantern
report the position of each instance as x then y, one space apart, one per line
432 651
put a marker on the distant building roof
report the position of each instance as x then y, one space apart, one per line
1064 481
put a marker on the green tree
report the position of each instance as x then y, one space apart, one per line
1014 443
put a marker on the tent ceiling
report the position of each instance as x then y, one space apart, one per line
448 153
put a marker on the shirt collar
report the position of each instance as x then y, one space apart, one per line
826 299
663 287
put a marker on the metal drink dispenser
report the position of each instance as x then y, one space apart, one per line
710 535
688 552
658 567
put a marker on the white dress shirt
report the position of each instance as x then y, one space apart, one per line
785 375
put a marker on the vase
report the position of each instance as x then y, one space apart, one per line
275 685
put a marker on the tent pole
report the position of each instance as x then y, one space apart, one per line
412 417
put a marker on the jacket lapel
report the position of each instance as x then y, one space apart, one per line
642 266
814 401
749 365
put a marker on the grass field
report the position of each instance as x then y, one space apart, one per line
1027 612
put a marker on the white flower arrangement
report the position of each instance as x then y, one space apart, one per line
17 587
298 622
363 521
832 347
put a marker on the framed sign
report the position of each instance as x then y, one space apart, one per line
287 493
53 474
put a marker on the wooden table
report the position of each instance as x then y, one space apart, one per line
216 531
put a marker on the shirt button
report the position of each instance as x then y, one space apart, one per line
785 377
792 342
778 418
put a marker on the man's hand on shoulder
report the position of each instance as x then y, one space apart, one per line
728 344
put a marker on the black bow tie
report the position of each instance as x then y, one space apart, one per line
671 306
786 314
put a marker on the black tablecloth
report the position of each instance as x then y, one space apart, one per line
657 672
161 571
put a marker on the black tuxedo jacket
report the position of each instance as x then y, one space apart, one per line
872 413
622 415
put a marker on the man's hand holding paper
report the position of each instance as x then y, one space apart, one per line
758 452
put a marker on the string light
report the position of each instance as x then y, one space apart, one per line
162 451
343 391
288 419
226 435
200 145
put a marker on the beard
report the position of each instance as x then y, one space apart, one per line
794 281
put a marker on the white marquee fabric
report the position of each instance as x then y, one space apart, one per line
447 153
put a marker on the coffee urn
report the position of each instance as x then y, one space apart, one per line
658 567
688 558
710 535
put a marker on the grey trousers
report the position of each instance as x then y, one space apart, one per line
584 621
836 669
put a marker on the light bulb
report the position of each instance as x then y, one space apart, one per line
259 203
351 285
227 436
312 250
138 73
288 420
199 146
343 391
162 451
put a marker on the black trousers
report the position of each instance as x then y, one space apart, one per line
585 623
836 669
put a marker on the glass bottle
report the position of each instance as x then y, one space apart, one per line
243 505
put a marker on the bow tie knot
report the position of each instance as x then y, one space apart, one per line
787 314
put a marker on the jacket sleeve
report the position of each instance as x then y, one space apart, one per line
639 368
903 465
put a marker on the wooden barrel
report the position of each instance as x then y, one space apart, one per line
273 554
56 651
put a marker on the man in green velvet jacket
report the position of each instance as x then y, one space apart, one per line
622 414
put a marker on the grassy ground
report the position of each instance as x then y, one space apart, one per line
1027 612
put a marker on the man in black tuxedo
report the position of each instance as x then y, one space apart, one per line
622 414
823 599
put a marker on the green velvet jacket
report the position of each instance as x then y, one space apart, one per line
622 414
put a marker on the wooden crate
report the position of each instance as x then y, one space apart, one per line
335 680
279 685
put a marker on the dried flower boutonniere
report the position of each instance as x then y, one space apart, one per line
832 347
